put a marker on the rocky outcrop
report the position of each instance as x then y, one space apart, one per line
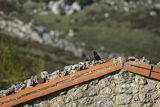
60 7
68 7
17 28
116 90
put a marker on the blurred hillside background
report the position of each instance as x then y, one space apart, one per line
37 35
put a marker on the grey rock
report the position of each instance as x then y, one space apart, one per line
143 97
124 74
136 105
69 99
72 90
92 92
3 93
140 80
123 99
47 39
27 105
86 101
135 97
158 63
106 15
122 78
150 86
104 83
79 95
157 103
57 6
154 97
57 105
84 87
152 13
108 90
143 81
103 102
157 5
158 86
147 105
127 88
72 104
94 82
71 33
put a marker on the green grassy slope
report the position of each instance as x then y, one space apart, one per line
135 33
20 59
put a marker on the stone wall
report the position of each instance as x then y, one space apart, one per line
114 90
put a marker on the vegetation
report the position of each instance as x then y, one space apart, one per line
9 68
20 59
134 33
131 33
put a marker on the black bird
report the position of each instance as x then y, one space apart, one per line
87 59
96 56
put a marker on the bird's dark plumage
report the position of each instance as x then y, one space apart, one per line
87 59
96 56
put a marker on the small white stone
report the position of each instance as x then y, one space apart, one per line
106 15
152 13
